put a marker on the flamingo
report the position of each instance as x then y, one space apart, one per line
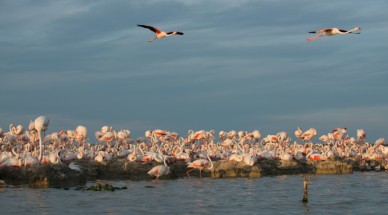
298 133
314 155
222 135
41 123
124 135
1 134
232 134
159 170
324 138
256 135
309 134
282 136
81 133
331 32
159 33
361 135
16 130
200 164
340 134
75 167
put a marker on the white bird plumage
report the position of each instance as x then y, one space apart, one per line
41 124
200 164
159 170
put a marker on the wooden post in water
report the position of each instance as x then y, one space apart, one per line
305 190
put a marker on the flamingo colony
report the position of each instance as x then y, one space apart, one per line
21 147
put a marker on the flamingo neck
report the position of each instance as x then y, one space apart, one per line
164 160
211 162
40 144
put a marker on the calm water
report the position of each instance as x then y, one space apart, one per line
358 193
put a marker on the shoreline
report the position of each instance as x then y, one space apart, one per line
60 175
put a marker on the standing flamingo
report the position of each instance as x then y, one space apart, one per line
81 133
159 170
1 134
308 135
298 134
159 34
41 123
200 164
331 32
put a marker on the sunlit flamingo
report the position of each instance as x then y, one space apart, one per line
340 134
16 130
41 123
235 157
159 170
298 133
12 162
309 134
324 138
159 33
200 164
102 131
270 138
282 136
284 155
331 32
379 142
1 133
313 155
222 135
256 135
30 160
361 135
71 135
232 134
81 133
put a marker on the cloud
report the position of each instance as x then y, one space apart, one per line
241 64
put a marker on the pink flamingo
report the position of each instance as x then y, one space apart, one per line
159 33
159 170
331 32
41 123
361 135
81 133
200 164
309 134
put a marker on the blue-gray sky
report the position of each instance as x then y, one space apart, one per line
242 65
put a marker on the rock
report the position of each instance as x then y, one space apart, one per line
60 175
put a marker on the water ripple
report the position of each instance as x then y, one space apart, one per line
358 193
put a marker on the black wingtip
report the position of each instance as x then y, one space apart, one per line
312 32
180 33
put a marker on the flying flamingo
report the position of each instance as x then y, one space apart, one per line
159 170
200 164
159 33
41 124
331 32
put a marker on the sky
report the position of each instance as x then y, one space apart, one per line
241 65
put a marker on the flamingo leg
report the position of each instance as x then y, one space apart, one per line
188 173
316 37
200 173
152 39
